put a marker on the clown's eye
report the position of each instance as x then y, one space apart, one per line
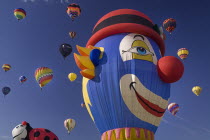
21 125
17 126
141 50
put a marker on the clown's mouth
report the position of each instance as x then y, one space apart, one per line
147 105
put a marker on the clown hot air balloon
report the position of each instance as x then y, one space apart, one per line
197 90
6 67
126 79
169 24
69 124
43 75
73 10
22 79
20 13
72 34
173 108
183 53
24 131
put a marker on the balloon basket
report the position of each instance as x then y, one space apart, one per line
128 134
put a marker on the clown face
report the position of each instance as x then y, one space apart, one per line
141 101
127 90
19 132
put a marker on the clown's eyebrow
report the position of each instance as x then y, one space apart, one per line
139 36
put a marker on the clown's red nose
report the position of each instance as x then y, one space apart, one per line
170 69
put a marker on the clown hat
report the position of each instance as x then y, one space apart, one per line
126 21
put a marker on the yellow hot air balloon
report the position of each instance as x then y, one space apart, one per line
6 67
69 124
183 53
196 90
72 76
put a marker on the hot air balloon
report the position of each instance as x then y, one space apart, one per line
169 24
73 10
72 34
82 104
43 75
6 90
72 76
69 124
24 131
20 13
22 79
173 108
183 53
197 90
6 67
65 50
126 78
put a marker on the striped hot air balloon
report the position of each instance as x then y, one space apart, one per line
73 10
69 124
43 75
20 13
169 24
6 67
183 53
173 108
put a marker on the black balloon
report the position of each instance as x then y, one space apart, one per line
65 50
5 90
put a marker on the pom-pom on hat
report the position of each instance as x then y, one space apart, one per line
126 21
24 123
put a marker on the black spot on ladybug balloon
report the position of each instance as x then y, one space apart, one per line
25 132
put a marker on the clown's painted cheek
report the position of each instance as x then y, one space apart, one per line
140 50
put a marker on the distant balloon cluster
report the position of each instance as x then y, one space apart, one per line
43 76
170 25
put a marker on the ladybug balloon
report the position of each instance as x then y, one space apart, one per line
25 132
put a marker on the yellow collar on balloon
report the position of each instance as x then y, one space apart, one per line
84 62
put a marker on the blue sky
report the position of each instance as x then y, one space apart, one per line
34 42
